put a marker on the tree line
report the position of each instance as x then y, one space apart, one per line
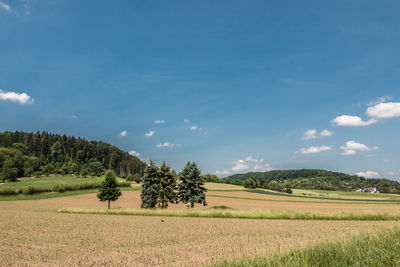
314 179
30 154
161 186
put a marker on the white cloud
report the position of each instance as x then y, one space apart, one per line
159 121
134 153
326 133
313 134
240 165
166 144
247 164
314 149
347 120
368 174
224 172
384 110
310 134
150 133
390 173
186 121
194 127
21 98
353 147
380 100
74 116
5 6
123 133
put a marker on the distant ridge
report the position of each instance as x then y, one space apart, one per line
318 179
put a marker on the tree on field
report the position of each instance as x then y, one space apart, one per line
109 190
167 191
150 186
191 189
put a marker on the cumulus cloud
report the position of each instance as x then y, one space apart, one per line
314 149
380 100
186 121
248 164
5 6
313 134
384 110
224 172
390 173
240 165
159 121
150 133
166 144
134 153
368 174
123 133
74 116
347 120
326 133
310 134
21 98
352 147
194 127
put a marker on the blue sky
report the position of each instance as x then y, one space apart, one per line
236 86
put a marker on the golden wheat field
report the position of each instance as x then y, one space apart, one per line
33 233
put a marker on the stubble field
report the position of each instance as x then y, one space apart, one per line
33 232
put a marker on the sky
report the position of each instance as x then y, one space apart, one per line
235 86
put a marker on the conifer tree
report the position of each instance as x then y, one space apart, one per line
109 190
150 186
191 189
168 186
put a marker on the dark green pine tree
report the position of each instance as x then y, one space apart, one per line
109 190
168 186
150 186
191 189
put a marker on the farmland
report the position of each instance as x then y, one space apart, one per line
40 234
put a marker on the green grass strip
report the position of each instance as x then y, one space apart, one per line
378 249
57 194
238 214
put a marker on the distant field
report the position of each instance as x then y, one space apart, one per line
45 182
339 194
48 184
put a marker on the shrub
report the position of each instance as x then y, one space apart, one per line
250 183
8 192
30 190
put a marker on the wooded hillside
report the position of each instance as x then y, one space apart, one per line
27 154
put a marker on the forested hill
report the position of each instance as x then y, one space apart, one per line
27 154
317 179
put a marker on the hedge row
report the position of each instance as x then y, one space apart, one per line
30 190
